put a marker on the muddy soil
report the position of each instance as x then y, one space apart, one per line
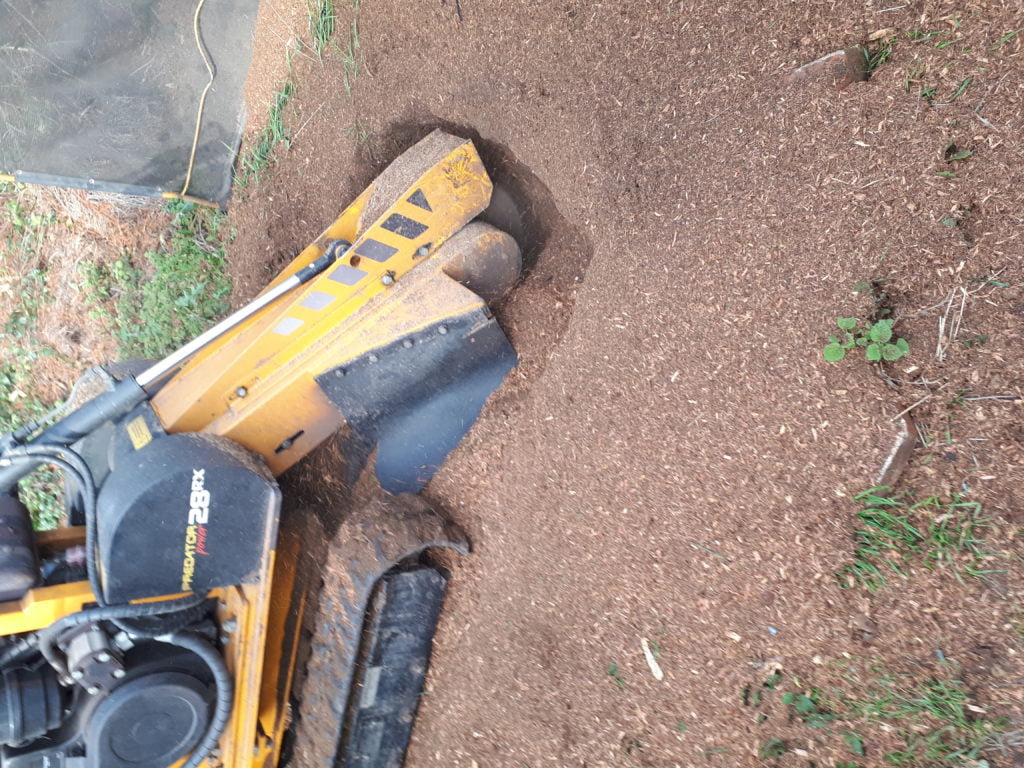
673 460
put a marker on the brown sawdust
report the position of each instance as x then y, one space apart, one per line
673 460
672 399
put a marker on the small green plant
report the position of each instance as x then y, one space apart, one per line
877 340
895 533
854 742
613 673
773 748
880 55
808 707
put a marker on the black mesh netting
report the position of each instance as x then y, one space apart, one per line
104 94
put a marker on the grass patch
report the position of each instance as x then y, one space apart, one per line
881 718
322 18
170 295
895 535
258 158
349 56
23 285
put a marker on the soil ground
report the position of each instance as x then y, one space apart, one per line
673 460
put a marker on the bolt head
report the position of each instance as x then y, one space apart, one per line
387 278
92 690
77 674
102 657
241 391
422 252
407 343
443 330
118 673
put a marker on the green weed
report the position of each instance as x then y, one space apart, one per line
880 55
919 722
809 708
258 158
773 748
1006 38
322 17
174 293
350 58
877 340
894 535
613 673
931 717
23 278
960 90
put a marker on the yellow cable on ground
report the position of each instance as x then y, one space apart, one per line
202 99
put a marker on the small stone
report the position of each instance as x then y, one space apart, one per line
837 69
899 455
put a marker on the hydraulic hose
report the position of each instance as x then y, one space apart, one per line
48 637
225 691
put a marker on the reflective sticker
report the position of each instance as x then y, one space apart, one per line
287 326
418 199
317 300
138 433
404 226
346 275
376 250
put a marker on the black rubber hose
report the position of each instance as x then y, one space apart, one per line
20 649
48 637
163 625
74 465
225 691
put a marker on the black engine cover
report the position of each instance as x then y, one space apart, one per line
152 721
186 513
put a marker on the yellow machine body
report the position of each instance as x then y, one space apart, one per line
257 386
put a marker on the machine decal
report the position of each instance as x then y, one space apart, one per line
418 199
375 250
404 226
195 532
138 433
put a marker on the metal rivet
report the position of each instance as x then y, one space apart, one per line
241 391
388 278
443 330
77 674
373 358
92 690
407 343
422 252
102 657
118 673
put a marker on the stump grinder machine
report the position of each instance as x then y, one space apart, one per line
164 624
